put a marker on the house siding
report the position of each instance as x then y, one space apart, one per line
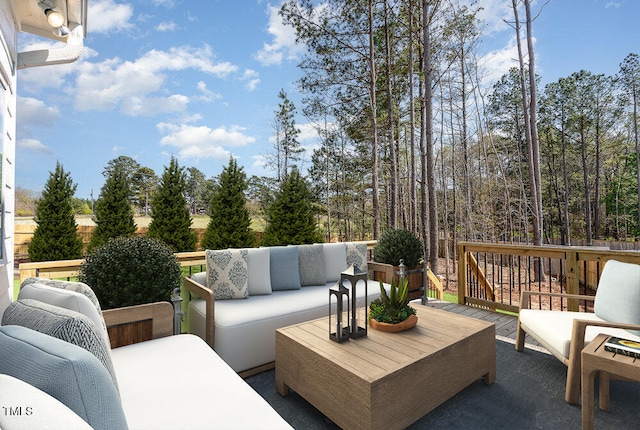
8 55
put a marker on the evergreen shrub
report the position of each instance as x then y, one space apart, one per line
396 244
129 271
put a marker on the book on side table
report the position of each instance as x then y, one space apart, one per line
623 346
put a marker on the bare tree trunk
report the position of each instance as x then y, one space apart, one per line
375 201
432 244
412 131
393 160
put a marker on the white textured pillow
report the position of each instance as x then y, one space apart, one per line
335 260
227 273
66 299
259 271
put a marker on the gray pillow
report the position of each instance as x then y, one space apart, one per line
64 324
311 265
283 264
618 294
67 372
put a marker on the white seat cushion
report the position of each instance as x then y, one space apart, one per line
553 329
156 394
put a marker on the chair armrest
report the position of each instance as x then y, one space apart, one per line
525 302
138 323
207 295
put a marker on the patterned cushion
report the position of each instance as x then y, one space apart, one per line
70 326
68 299
283 262
259 271
335 260
227 273
311 265
357 254
78 287
64 371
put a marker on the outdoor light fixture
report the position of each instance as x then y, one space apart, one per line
354 275
55 18
341 333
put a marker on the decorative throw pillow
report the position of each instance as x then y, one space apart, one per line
78 287
311 265
227 273
283 262
357 255
70 326
67 299
335 260
64 371
259 271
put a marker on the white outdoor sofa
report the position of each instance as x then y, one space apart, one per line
284 285
57 369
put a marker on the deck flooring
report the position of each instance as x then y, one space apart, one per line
506 325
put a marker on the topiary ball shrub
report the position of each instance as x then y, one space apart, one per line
394 245
129 271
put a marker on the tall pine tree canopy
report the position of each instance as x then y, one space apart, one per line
113 214
230 223
56 237
171 221
290 218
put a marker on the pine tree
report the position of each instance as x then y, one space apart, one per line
113 214
230 224
171 221
56 236
290 216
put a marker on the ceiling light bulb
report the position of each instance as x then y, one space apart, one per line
55 18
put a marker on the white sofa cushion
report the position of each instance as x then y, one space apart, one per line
311 265
259 271
34 409
154 397
556 328
245 330
67 299
227 273
67 372
335 260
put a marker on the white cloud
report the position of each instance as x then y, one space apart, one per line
132 85
284 44
612 5
207 94
498 62
201 142
33 145
251 78
166 26
105 16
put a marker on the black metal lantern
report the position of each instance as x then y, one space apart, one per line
354 275
338 332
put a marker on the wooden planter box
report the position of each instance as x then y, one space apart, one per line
385 272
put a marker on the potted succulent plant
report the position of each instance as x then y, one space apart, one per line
395 245
391 312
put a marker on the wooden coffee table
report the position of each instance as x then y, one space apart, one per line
385 380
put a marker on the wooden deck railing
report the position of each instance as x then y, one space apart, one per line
494 275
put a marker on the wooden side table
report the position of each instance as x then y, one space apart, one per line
596 361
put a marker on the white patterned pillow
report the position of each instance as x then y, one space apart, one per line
227 273
357 255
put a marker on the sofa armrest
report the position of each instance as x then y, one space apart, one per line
207 295
133 324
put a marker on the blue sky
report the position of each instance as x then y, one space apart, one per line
199 80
